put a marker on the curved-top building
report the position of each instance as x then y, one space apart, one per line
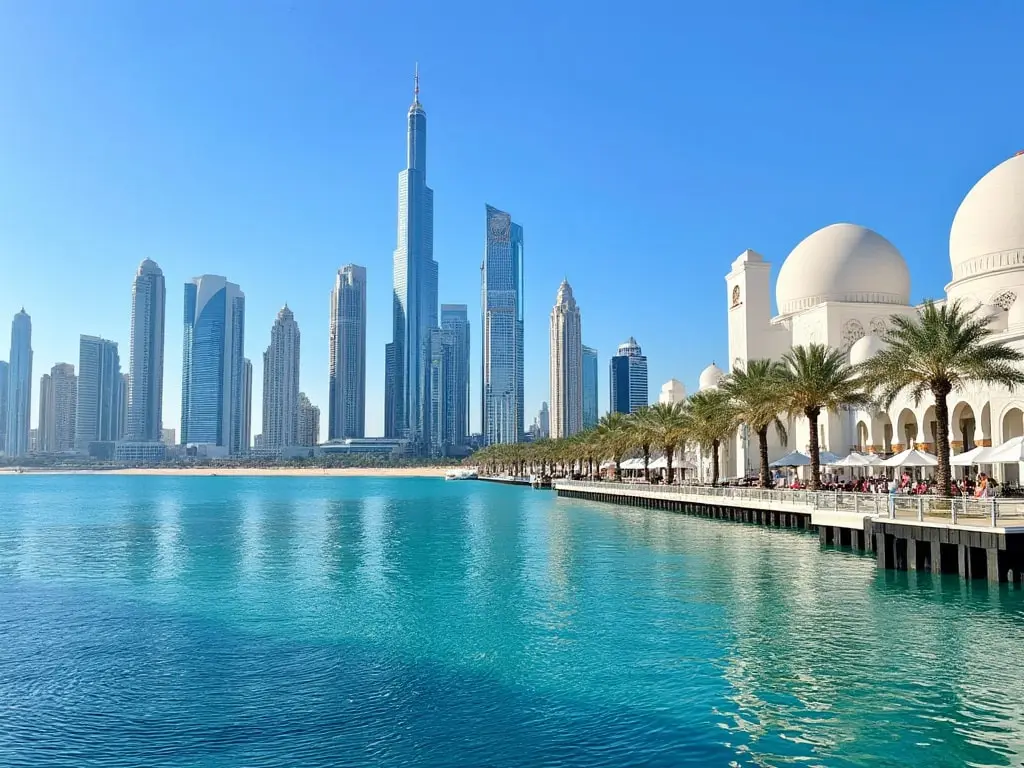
841 285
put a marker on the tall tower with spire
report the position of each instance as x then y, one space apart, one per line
414 312
566 365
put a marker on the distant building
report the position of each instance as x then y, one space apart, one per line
502 411
65 407
33 440
100 384
346 408
628 379
379 446
281 383
246 405
46 433
566 365
672 391
169 437
455 350
4 381
122 407
19 386
589 387
309 422
145 395
257 443
212 397
543 422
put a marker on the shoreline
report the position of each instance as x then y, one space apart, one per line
242 471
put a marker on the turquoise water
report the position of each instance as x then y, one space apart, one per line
356 622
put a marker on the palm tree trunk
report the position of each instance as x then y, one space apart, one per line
762 449
618 469
647 461
814 447
670 475
942 474
714 462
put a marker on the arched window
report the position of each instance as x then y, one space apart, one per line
735 296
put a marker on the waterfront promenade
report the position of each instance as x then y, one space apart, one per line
977 538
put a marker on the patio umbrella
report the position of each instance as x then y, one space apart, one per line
794 459
912 458
1010 452
974 456
662 463
633 464
853 460
827 458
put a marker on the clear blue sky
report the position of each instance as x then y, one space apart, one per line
642 146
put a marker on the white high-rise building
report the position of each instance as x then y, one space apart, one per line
146 355
281 384
566 365
19 386
65 406
346 411
47 415
309 422
246 439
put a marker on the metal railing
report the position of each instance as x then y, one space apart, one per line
995 512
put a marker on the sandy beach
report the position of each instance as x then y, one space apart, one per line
248 471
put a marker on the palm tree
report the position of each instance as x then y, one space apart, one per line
668 424
940 350
713 419
819 378
643 436
615 441
757 395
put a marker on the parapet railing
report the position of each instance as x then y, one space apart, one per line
923 508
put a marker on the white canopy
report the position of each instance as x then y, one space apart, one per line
1010 452
637 463
912 458
662 463
794 459
858 460
974 456
827 458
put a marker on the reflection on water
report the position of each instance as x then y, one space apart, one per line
321 621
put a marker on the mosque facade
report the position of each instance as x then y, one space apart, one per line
842 285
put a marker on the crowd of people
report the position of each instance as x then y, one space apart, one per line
981 486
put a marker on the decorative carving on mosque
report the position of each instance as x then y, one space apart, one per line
879 325
736 296
737 364
853 331
1004 299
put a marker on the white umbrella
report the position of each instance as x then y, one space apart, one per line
794 459
912 458
854 460
662 463
827 458
1010 452
633 464
974 456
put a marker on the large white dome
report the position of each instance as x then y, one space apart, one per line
842 262
710 377
988 230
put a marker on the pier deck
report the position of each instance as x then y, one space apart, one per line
975 538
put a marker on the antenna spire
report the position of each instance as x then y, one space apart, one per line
416 85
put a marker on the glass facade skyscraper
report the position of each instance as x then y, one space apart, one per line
19 386
5 372
98 403
502 416
414 305
455 352
346 410
589 387
628 379
212 371
146 355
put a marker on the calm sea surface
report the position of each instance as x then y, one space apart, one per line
364 622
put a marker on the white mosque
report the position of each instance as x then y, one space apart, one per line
841 285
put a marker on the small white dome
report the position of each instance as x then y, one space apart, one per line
1015 317
842 262
865 348
710 377
987 234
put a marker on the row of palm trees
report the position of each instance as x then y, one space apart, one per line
931 354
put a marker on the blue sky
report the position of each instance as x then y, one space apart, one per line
641 146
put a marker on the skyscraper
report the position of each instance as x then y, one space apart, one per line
566 365
390 392
415 288
281 384
309 422
122 407
543 422
455 350
212 363
99 388
47 415
246 440
346 410
19 386
502 413
589 387
146 355
628 374
5 373
65 406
